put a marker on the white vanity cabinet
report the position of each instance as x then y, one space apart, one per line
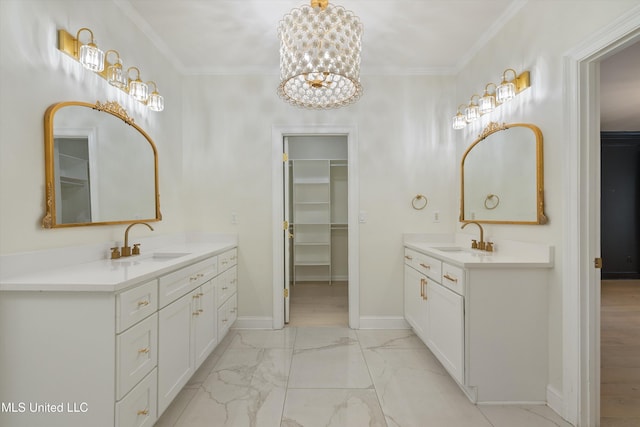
446 328
415 302
227 284
486 319
435 313
187 323
108 343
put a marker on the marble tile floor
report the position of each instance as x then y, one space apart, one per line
333 376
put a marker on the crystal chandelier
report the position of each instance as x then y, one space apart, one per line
320 56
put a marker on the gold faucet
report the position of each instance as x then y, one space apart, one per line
481 244
126 249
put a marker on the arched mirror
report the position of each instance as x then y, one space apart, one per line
502 176
100 167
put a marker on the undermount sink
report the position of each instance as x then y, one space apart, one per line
154 257
474 252
450 249
163 256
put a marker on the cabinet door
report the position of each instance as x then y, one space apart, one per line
175 361
415 302
446 328
205 324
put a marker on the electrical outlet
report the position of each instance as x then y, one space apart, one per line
436 216
362 218
234 217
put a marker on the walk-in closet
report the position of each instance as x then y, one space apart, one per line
317 195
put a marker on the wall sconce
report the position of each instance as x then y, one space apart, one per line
489 101
459 120
472 111
155 101
98 61
90 56
137 88
115 75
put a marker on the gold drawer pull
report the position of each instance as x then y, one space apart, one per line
143 412
428 267
143 303
192 278
200 294
421 288
196 296
224 288
453 279
200 310
195 313
144 350
200 275
408 257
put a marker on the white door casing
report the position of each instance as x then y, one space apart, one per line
277 135
581 281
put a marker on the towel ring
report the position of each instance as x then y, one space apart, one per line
418 203
488 204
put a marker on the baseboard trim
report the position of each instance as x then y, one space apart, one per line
253 322
555 400
383 322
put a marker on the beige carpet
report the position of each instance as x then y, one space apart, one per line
620 353
319 304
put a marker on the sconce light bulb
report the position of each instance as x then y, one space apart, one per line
91 57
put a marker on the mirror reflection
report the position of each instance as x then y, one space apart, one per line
101 168
502 178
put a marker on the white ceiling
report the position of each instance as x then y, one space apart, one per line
239 36
400 37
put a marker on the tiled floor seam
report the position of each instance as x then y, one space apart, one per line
286 387
371 378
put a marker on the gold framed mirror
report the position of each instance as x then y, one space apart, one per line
502 176
100 167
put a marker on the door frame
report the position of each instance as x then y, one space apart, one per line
581 289
277 135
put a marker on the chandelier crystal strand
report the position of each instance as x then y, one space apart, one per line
320 57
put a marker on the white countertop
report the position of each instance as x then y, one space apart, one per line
507 254
106 275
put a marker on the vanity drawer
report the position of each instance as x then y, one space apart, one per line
138 408
136 304
410 257
227 284
137 354
429 266
453 278
176 284
227 259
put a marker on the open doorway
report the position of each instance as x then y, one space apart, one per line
620 239
337 264
580 401
317 200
